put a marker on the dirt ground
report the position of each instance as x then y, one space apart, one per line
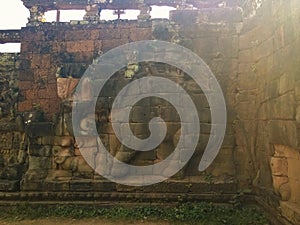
54 221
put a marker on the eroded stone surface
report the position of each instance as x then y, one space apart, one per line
256 62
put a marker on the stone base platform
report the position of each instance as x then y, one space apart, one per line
100 191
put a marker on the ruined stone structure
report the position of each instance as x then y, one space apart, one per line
254 58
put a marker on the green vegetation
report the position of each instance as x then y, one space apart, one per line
200 213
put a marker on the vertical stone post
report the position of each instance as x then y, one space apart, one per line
144 12
92 13
36 14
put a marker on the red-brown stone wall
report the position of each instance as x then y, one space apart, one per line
46 48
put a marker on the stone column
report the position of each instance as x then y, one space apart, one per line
36 14
144 12
92 13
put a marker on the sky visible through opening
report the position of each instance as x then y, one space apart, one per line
13 15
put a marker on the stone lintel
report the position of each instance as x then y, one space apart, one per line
10 36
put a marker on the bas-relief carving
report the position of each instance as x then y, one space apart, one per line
67 165
13 157
65 87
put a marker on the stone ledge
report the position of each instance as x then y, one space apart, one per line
10 36
188 185
110 198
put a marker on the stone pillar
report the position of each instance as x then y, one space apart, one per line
92 13
36 14
144 12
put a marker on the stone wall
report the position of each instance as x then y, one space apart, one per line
65 50
255 60
267 105
213 35
10 36
55 56
13 155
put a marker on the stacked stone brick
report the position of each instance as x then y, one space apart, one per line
255 60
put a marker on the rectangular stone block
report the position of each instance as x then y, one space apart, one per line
293 168
25 85
57 46
246 56
140 128
229 46
139 34
282 107
26 75
80 46
78 35
297 90
205 187
193 87
57 185
286 83
86 141
229 141
283 132
31 94
40 61
278 38
246 110
205 116
266 66
103 186
184 17
39 129
112 43
255 36
206 46
37 185
52 106
272 90
298 115
148 155
81 185
139 114
27 34
108 34
39 163
46 93
214 15
9 185
40 151
279 166
25 105
294 185
290 211
64 141
264 49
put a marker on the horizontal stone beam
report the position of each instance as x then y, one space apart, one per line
116 4
10 36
